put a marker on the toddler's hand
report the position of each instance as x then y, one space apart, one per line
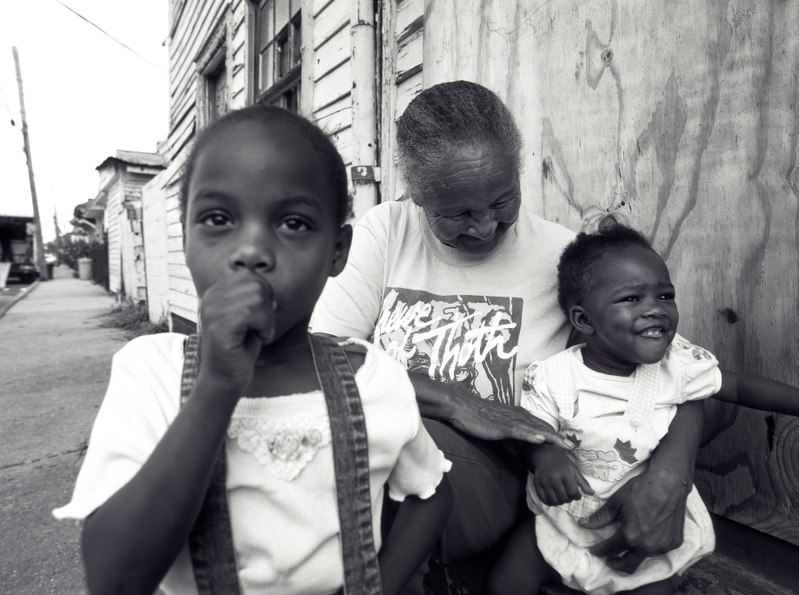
238 316
557 477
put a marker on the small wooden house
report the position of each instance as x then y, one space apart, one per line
682 115
121 179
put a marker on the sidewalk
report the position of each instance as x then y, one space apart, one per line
54 364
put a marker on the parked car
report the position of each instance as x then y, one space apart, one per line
23 272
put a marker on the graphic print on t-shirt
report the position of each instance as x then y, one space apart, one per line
469 339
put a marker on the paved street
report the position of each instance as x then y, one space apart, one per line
54 367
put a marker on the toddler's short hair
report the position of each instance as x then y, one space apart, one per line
332 164
577 266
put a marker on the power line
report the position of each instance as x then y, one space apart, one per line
107 34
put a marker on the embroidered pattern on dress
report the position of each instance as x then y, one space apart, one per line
284 448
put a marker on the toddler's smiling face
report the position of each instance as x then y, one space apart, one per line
630 314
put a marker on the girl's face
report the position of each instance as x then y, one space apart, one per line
476 201
259 199
630 317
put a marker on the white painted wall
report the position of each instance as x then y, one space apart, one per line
156 253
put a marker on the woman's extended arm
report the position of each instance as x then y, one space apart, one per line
650 508
477 417
758 392
415 530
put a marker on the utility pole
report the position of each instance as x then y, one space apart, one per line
38 244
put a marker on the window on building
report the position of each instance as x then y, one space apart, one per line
216 92
276 31
212 75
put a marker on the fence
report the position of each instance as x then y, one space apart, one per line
99 256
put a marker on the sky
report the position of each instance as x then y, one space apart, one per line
85 96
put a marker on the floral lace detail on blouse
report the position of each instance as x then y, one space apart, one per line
285 447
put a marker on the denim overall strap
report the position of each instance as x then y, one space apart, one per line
211 539
351 465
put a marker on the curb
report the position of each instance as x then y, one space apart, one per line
5 308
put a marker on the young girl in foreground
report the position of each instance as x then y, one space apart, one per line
613 398
264 205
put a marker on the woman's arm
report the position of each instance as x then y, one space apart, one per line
415 530
650 508
477 417
130 542
758 392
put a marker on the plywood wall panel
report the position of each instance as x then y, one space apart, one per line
684 116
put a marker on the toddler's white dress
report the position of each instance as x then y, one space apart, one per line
615 423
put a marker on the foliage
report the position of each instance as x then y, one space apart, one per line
72 249
134 318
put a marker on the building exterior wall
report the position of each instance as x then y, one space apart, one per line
113 217
402 39
683 116
154 231
121 183
326 79
194 23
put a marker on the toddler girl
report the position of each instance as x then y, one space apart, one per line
240 487
613 398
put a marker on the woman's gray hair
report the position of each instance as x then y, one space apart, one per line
444 117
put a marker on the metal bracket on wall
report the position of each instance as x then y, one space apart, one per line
365 173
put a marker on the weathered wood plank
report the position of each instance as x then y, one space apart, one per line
410 54
335 117
332 53
328 22
407 12
334 86
684 116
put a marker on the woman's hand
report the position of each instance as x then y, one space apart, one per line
650 512
490 420
480 418
237 319
556 475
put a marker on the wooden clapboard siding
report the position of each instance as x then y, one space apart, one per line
685 116
237 52
327 82
333 86
156 248
335 117
403 43
113 212
331 77
331 53
190 30
329 18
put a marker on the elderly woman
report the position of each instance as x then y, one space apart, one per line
459 284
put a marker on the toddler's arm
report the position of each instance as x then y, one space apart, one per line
415 530
130 542
556 474
758 392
